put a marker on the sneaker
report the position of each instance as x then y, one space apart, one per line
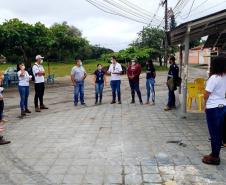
4 142
113 102
141 102
209 159
147 102
119 102
132 102
43 107
37 109
4 120
75 104
167 108
95 102
27 111
84 104
153 103
100 103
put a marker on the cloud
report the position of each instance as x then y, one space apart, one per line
98 27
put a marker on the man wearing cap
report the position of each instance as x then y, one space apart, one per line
39 80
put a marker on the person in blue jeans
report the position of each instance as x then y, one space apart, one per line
23 87
99 80
215 100
115 70
150 81
78 75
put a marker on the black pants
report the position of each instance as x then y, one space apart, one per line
135 88
39 93
1 109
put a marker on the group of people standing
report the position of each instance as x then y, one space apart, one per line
38 74
78 75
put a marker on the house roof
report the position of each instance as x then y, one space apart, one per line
208 25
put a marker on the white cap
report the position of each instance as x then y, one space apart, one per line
38 57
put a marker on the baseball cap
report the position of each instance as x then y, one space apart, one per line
38 57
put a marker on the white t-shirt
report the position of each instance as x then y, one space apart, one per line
78 73
216 85
38 68
23 80
117 68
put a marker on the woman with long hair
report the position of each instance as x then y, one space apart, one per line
215 100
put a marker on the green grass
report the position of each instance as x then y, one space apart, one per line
61 69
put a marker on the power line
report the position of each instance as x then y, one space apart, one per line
129 11
137 8
190 9
108 10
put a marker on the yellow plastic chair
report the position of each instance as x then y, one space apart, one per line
200 83
194 95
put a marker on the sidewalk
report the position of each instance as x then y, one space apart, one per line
107 144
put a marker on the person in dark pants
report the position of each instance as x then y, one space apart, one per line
2 140
39 80
173 75
150 82
215 101
133 73
115 70
99 81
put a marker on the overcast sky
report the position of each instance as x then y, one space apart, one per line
98 27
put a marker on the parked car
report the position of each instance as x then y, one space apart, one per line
11 74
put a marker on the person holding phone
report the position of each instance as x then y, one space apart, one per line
23 88
115 70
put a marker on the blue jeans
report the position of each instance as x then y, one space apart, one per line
115 86
150 86
215 121
99 91
79 91
135 87
24 93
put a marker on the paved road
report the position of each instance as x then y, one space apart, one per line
108 144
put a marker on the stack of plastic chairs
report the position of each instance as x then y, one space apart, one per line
196 92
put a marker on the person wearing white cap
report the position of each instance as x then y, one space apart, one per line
39 80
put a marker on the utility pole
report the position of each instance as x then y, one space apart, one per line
166 29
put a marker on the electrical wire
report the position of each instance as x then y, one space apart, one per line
190 10
110 11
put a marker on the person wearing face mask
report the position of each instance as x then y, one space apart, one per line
39 80
115 70
133 73
78 75
99 80
23 87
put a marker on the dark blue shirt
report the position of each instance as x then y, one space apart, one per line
173 71
150 73
99 76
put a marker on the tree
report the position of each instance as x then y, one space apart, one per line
151 38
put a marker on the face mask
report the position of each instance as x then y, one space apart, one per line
22 67
133 63
41 61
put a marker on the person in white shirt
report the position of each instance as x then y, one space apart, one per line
23 87
78 75
39 80
115 70
215 98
